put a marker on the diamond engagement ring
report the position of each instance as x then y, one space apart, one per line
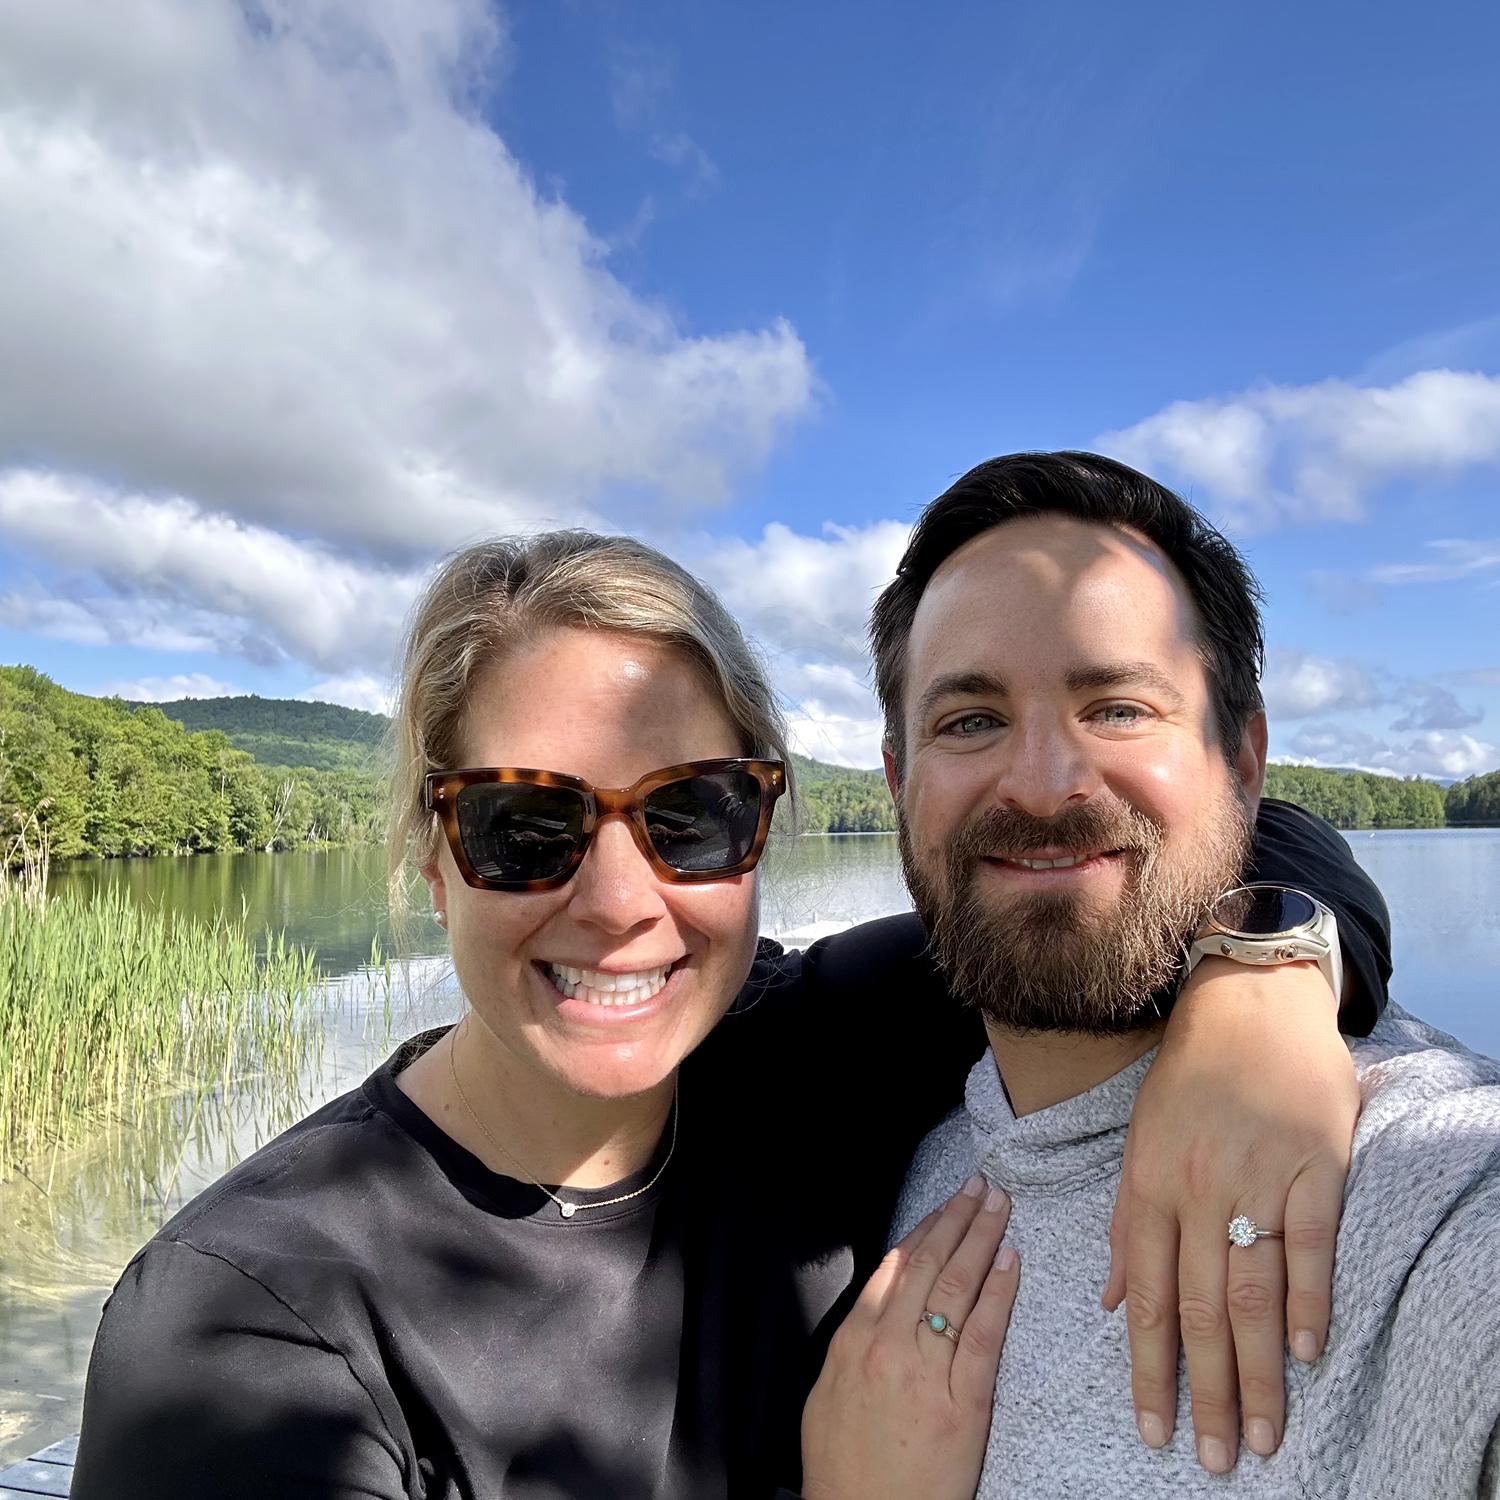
938 1324
1244 1232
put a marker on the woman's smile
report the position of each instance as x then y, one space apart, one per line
593 997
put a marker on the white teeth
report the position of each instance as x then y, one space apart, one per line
598 988
1052 864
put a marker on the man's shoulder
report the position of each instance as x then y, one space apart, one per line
1409 1381
1411 1075
943 1161
1422 1208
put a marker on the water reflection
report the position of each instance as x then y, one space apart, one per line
332 900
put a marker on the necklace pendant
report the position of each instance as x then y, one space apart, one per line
568 1209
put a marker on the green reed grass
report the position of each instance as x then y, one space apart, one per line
105 1005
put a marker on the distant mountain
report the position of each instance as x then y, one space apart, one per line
286 731
327 737
1443 781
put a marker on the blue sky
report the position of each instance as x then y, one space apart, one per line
296 296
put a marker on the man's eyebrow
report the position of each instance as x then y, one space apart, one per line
958 685
1119 674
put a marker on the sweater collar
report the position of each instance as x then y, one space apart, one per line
1053 1150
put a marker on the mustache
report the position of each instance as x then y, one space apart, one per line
1094 825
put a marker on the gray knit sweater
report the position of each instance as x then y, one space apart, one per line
1406 1400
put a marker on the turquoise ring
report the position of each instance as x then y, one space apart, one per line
938 1324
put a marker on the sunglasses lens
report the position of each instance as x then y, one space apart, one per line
705 822
515 832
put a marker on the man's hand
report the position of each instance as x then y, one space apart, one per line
1249 1108
901 1410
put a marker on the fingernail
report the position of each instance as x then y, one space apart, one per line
974 1186
1153 1429
1305 1345
1006 1260
996 1201
1261 1437
1213 1455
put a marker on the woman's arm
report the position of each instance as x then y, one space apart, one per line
204 1384
902 1408
1249 1109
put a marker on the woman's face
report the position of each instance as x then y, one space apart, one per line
608 708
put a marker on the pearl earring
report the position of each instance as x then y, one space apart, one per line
441 918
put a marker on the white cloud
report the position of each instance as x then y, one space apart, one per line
169 689
1297 685
640 96
353 690
251 583
283 267
1451 558
826 735
836 717
806 600
1300 685
150 624
807 596
676 149
640 83
1433 753
1430 706
1295 454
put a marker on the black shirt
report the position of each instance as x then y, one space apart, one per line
363 1309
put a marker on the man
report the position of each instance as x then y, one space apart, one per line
1068 663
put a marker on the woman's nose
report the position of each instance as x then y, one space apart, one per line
615 887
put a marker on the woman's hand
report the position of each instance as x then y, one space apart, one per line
1249 1108
901 1410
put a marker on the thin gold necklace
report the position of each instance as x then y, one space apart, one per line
567 1210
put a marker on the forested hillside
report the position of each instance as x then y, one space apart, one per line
283 732
277 731
1476 800
1357 799
836 799
103 777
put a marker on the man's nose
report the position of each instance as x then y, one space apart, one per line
614 888
1048 766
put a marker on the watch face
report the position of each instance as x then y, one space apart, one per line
1264 911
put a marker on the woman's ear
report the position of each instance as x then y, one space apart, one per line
437 888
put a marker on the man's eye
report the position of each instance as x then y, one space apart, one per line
1121 713
970 724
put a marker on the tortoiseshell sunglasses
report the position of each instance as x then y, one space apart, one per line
518 830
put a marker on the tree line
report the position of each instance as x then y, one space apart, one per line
836 799
103 777
100 777
1359 799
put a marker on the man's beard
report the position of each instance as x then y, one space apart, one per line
1050 961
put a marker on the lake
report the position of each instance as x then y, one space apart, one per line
76 1220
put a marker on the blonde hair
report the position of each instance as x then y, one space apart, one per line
496 596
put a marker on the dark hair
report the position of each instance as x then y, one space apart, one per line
1098 490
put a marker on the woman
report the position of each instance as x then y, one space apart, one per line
591 1240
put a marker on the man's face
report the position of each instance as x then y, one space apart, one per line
1066 810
